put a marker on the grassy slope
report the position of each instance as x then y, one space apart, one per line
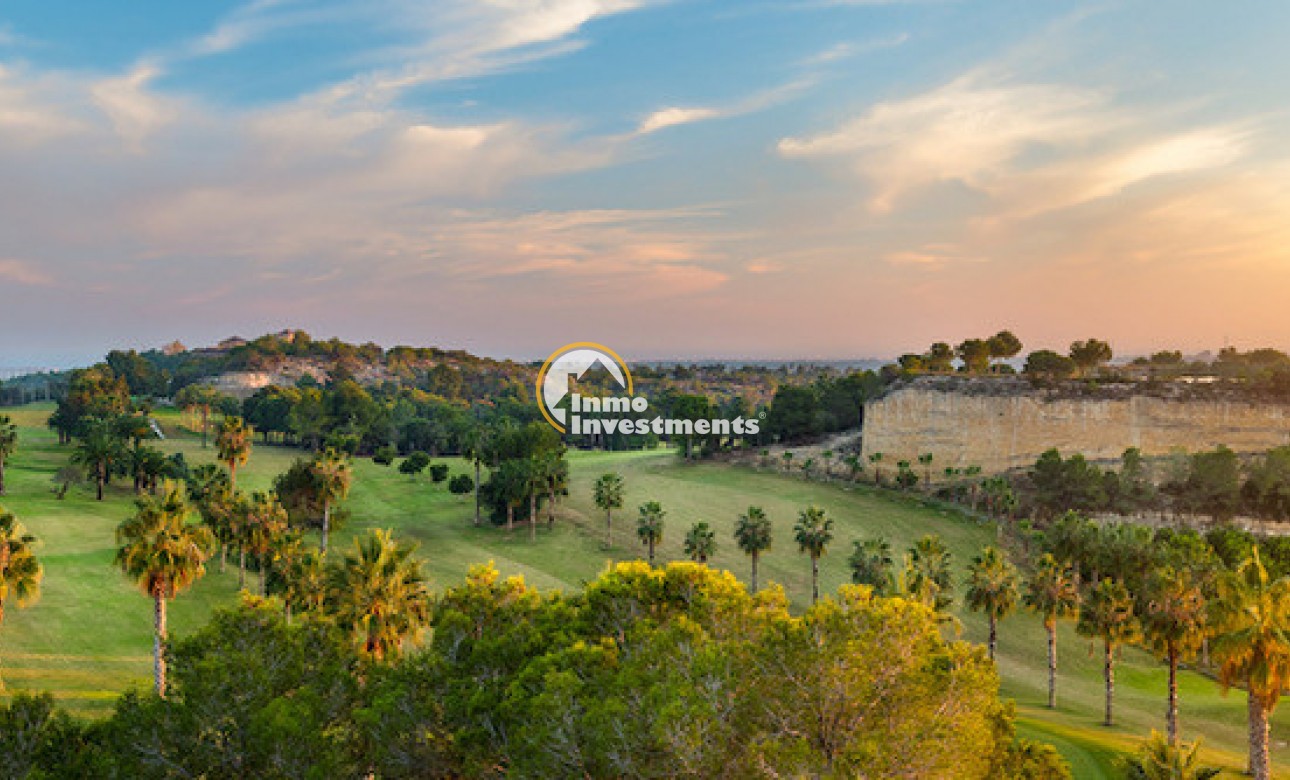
89 636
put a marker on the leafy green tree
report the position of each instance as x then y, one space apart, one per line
233 445
928 578
415 463
20 570
1252 648
753 534
939 358
872 564
8 445
1089 355
332 477
813 532
700 542
378 594
438 472
1047 364
649 526
1051 592
1213 485
1004 345
1175 625
609 496
1108 615
461 484
992 589
164 554
975 355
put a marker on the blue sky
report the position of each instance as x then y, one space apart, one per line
675 178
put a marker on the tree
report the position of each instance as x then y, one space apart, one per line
753 535
992 589
233 445
700 542
609 496
1047 364
438 472
1051 592
266 522
975 354
927 576
649 526
1004 345
1108 615
461 484
813 532
97 450
8 445
20 570
1174 624
165 555
475 447
379 595
332 475
304 578
872 564
202 398
1252 648
1088 355
415 463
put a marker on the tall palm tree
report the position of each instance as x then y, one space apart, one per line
1252 647
649 526
209 490
233 445
8 444
609 496
1052 593
164 555
266 522
303 575
700 542
753 535
1174 624
97 449
992 589
813 532
475 449
332 477
20 571
928 577
1107 614
872 564
201 398
378 594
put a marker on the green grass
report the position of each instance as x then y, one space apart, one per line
89 637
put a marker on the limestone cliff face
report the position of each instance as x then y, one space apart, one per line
1011 425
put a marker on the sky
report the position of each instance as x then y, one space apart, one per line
672 178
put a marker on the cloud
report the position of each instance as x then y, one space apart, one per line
671 117
135 112
20 272
675 115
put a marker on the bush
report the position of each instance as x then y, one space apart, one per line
384 456
439 472
461 484
414 463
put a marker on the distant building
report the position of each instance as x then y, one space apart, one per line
174 348
232 342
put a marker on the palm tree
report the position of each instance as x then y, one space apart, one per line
266 522
378 594
96 451
164 555
753 535
1252 647
928 578
303 575
233 445
814 532
1174 624
20 571
926 460
332 477
8 444
475 449
872 564
1051 592
649 526
992 589
700 542
209 490
201 398
609 496
1108 615
556 470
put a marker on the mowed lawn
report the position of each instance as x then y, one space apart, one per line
89 637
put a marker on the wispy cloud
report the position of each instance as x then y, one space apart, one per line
21 272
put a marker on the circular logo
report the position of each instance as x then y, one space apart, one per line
574 360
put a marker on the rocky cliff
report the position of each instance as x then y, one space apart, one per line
1004 424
